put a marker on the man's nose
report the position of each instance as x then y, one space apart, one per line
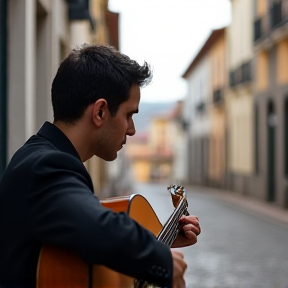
131 129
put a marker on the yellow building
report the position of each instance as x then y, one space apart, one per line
217 141
160 144
151 153
138 153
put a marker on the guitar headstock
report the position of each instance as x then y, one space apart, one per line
177 193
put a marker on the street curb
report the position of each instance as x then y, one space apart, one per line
247 203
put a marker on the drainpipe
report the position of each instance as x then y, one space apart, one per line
3 85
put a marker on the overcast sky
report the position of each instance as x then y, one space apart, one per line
168 35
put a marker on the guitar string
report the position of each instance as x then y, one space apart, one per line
173 225
175 228
167 235
173 236
163 236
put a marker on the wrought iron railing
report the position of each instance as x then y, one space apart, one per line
242 74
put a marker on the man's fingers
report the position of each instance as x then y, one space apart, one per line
191 228
179 267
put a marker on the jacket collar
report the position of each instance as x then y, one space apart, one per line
57 138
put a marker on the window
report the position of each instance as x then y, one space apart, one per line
256 141
286 136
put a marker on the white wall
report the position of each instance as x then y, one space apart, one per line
198 90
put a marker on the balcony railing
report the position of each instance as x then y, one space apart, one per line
277 16
246 71
242 74
261 27
279 13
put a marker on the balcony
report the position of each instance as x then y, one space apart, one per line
278 14
276 17
242 74
218 96
261 27
200 107
79 10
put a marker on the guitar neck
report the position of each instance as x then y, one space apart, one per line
170 230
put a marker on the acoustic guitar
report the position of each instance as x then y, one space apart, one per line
59 268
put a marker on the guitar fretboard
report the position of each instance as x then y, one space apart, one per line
171 228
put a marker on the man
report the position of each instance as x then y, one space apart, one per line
46 194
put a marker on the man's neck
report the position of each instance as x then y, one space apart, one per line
76 134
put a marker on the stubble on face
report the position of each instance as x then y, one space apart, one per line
117 127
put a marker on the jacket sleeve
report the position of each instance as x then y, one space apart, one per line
64 212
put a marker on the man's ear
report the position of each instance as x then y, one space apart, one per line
99 111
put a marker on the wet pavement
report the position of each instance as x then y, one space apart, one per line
239 247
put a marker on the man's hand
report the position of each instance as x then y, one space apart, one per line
179 267
190 229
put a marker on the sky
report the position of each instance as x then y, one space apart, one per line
167 34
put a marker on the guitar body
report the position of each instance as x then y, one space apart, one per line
64 269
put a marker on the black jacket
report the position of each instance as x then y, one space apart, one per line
46 197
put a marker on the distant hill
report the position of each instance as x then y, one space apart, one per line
147 111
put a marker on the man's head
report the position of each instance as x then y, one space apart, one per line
90 73
95 93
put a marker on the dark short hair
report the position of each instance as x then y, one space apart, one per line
92 72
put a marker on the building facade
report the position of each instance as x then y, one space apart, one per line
271 98
204 111
157 153
240 106
38 36
217 110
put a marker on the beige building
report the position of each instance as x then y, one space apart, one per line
240 107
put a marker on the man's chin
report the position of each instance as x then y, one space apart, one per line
111 158
107 158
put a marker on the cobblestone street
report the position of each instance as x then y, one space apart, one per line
236 249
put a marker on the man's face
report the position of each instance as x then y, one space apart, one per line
116 128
